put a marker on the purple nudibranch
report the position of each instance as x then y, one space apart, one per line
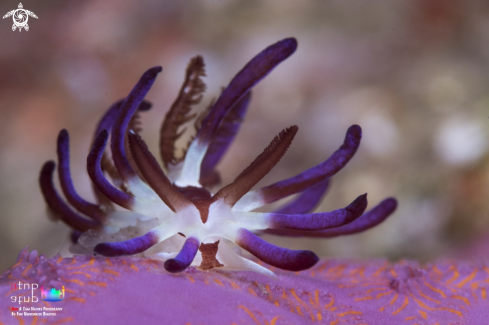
175 215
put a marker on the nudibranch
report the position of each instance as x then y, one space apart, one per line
174 215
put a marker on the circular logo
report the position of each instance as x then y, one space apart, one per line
20 17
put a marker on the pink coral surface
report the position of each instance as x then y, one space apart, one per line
131 290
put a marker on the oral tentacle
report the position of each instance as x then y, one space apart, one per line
126 111
260 197
307 201
138 244
286 259
91 210
319 221
258 168
368 220
128 247
56 203
154 175
183 260
222 140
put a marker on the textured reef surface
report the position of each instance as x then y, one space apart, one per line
130 290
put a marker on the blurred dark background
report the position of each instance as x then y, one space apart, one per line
413 74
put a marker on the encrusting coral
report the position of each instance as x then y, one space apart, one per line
178 209
134 290
174 219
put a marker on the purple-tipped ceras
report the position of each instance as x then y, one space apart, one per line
174 215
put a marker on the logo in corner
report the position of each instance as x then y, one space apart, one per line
20 17
53 294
